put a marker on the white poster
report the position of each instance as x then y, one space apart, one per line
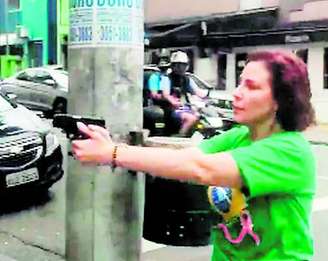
95 23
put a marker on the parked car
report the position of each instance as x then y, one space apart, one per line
55 67
40 89
30 154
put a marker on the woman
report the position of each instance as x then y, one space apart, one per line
266 158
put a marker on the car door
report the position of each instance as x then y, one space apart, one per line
44 89
20 85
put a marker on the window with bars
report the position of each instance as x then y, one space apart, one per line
13 4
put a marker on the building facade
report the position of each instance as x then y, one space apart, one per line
63 29
218 43
28 35
11 46
217 35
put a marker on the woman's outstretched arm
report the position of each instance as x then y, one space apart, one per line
189 164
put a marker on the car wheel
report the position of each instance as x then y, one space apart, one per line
59 107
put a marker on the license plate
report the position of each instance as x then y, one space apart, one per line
22 177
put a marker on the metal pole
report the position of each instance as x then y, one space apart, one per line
104 209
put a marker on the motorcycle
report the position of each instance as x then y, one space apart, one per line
210 123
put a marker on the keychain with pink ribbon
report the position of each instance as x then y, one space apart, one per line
231 204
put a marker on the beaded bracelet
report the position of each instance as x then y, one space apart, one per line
114 156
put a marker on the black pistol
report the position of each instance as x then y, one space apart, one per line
67 123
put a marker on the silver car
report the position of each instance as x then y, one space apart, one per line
40 89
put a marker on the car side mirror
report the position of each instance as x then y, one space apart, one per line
50 82
12 97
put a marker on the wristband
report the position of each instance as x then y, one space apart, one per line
114 156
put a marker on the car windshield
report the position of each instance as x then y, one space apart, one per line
200 83
5 105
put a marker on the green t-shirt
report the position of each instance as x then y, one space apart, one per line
279 173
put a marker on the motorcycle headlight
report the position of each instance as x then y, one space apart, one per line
51 143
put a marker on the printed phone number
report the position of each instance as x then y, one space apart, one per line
104 33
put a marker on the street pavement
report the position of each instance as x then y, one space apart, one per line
317 135
6 258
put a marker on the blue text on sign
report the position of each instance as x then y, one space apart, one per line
106 3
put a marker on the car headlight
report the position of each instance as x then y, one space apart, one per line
51 143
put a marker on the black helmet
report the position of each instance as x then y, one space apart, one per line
164 62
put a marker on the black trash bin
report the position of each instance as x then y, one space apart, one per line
176 213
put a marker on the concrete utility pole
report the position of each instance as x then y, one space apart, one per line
104 209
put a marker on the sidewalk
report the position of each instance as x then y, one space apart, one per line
158 252
6 258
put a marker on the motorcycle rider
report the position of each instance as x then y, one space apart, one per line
176 92
153 101
158 79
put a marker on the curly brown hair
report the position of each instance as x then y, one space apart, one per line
290 86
